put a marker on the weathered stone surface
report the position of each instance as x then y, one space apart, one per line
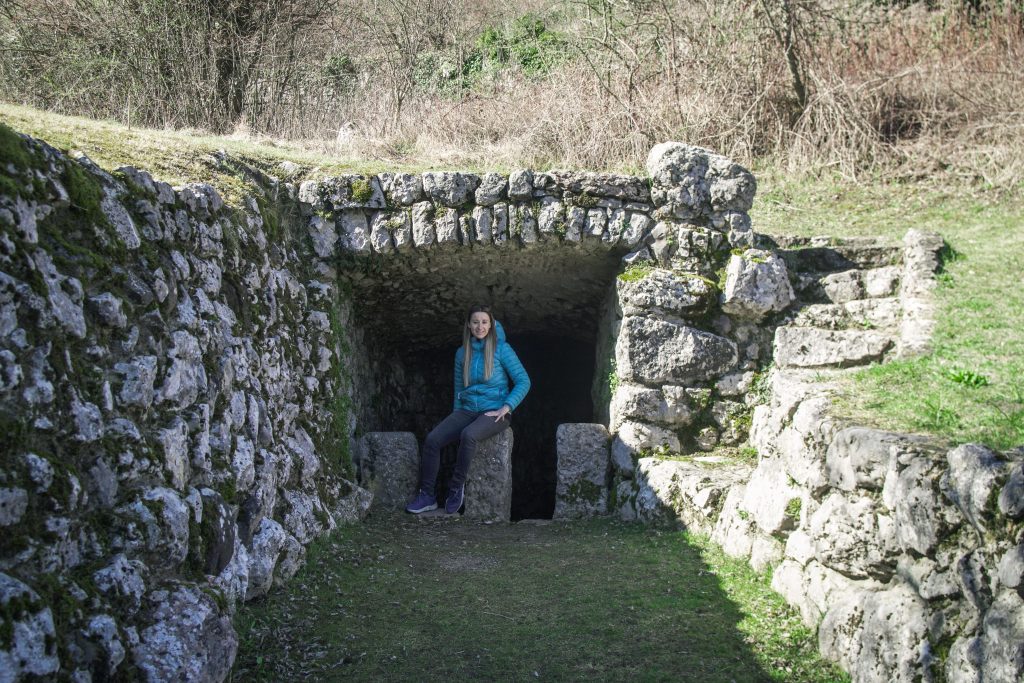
692 182
323 235
489 485
492 189
852 536
387 464
756 285
923 516
878 636
859 458
450 189
663 292
682 490
582 487
13 503
123 579
30 644
404 188
808 347
354 232
668 405
769 498
1011 497
267 544
971 480
637 439
652 351
187 638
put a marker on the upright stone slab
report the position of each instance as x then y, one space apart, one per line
582 489
489 486
387 465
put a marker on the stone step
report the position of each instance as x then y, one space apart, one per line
863 314
830 255
813 347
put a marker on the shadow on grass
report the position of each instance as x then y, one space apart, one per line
403 599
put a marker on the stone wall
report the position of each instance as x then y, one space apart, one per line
176 414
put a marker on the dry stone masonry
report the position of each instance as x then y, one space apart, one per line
182 381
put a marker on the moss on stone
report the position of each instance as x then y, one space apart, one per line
793 508
584 490
636 272
362 190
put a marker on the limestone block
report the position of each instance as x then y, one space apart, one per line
879 636
482 219
756 285
492 189
305 516
768 497
388 465
1011 497
734 531
842 287
404 189
446 227
813 588
970 482
663 292
267 544
853 537
765 552
520 186
927 577
810 347
30 647
354 231
13 503
668 405
450 189
582 489
188 638
423 224
859 457
380 235
551 220
802 445
653 351
997 653
636 438
923 516
123 580
884 281
489 485
684 490
691 181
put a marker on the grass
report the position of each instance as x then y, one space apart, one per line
971 386
399 598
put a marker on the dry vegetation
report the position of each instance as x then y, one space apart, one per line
902 88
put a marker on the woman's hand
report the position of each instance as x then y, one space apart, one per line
499 414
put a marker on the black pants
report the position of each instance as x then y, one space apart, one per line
466 427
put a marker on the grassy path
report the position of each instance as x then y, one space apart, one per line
404 599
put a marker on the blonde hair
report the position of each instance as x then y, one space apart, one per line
490 343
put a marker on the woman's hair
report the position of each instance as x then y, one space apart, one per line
490 343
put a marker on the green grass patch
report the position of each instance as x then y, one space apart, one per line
400 598
970 387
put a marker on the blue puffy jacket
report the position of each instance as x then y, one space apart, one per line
482 395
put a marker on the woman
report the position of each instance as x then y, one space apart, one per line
484 364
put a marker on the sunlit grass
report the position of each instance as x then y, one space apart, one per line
970 387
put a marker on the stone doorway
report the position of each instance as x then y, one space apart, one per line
551 301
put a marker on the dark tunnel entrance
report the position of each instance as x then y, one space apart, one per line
554 308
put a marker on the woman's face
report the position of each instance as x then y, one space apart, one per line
479 325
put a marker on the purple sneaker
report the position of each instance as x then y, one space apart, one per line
454 501
423 502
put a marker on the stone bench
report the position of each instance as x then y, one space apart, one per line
388 464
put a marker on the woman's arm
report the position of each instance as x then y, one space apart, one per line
517 373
